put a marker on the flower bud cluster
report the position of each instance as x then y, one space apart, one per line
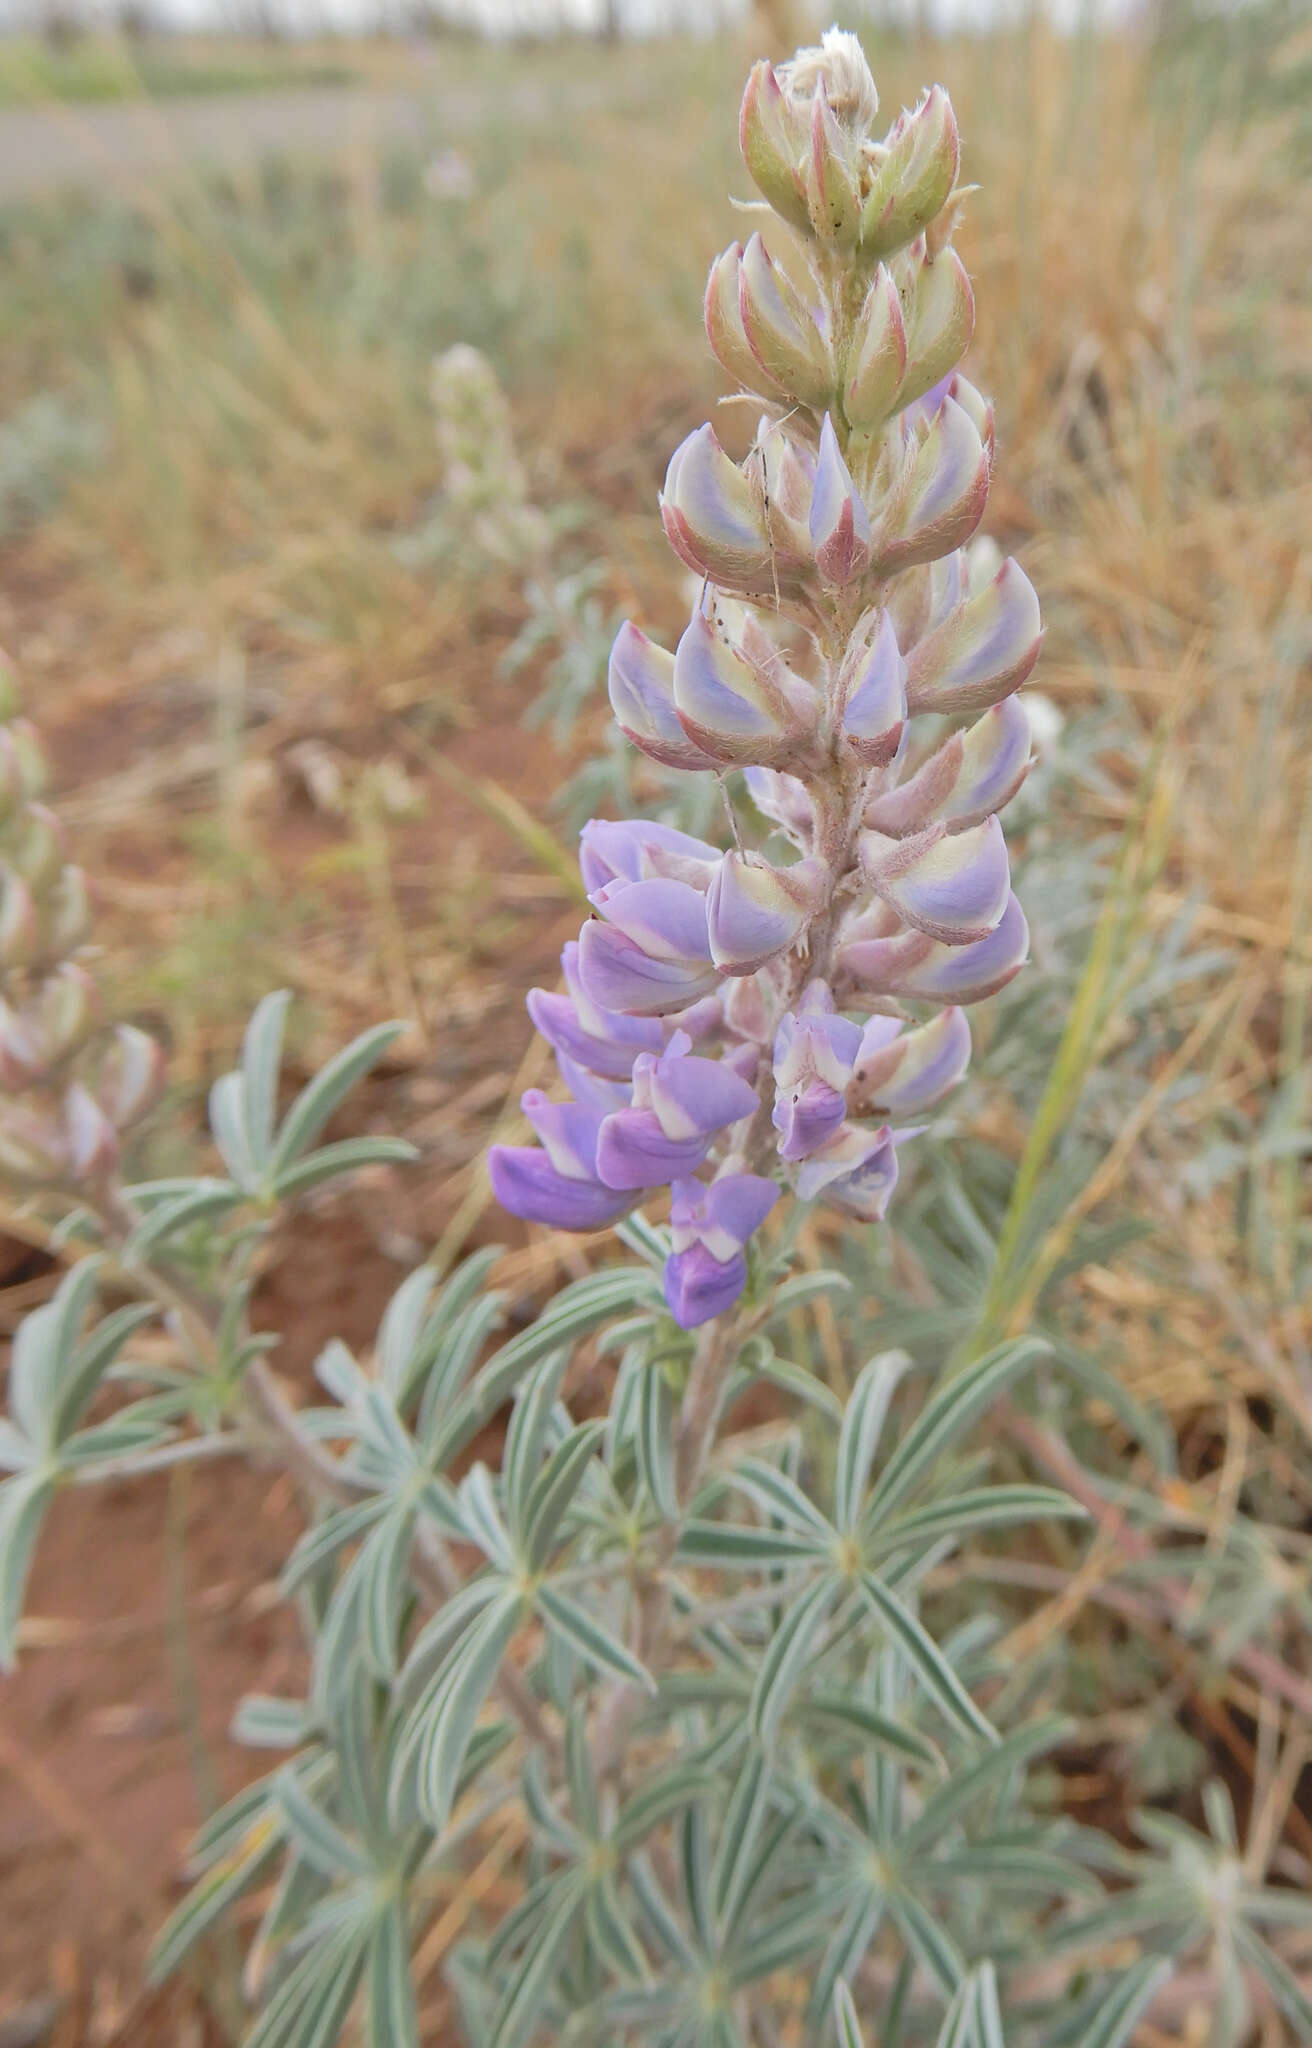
731 1020
66 1089
483 482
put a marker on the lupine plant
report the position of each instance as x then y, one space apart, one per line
757 1788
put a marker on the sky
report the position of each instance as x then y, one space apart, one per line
511 16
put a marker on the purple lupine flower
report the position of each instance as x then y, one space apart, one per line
606 1041
557 1184
855 1170
652 955
815 1054
680 1104
641 850
709 1228
837 604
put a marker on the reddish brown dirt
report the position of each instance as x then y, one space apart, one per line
140 1596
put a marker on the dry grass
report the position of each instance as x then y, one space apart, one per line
225 587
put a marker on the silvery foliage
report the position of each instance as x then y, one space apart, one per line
758 1787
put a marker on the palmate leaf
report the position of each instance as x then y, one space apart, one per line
926 1660
944 1419
310 2008
520 2009
980 1778
324 1094
847 2027
449 1718
527 1437
1114 2020
786 1657
390 1997
23 1503
863 1424
965 1514
207 1902
552 1493
584 1634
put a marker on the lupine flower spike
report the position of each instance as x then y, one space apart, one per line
733 1021
68 1088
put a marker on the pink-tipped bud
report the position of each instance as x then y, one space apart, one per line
131 1077
65 915
953 887
973 775
20 927
781 331
36 847
22 1054
984 649
941 324
66 1011
640 679
839 523
739 701
939 499
915 175
872 694
904 1075
724 325
90 1137
712 516
772 141
754 911
832 176
33 1146
878 359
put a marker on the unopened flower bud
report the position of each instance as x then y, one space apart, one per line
92 1141
878 359
640 679
781 330
854 1170
872 692
973 775
724 324
740 704
652 956
11 696
131 1077
33 1145
65 1011
982 651
951 886
35 847
902 1072
754 911
837 64
911 964
785 801
832 176
839 524
942 322
65 915
713 517
914 177
20 927
769 137
939 499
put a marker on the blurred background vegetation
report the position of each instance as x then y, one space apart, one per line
289 722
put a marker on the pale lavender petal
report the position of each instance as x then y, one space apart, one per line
855 1171
619 975
692 1096
526 1183
557 1019
631 850
568 1132
739 1203
697 1287
667 919
640 680
634 1152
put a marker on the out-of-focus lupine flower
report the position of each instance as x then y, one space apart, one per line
66 1093
709 1229
483 482
823 979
